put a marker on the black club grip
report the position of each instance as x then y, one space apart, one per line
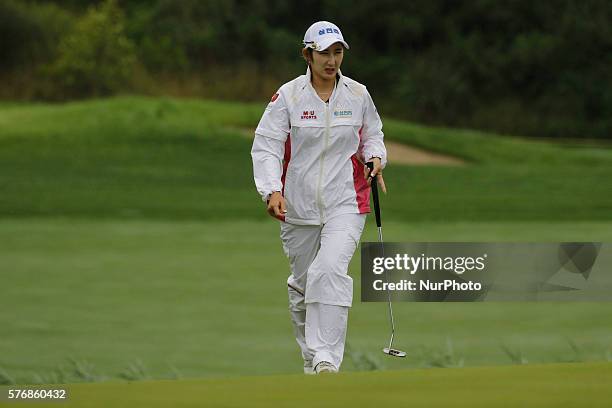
374 186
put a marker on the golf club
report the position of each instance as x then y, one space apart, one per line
374 185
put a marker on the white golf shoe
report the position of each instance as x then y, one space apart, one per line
325 367
308 369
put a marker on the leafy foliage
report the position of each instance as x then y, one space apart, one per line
29 32
97 58
518 67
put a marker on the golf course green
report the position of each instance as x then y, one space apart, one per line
136 257
538 386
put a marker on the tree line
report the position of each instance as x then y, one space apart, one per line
522 67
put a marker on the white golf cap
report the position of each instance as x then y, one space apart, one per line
322 34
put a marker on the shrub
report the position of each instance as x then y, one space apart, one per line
30 33
97 58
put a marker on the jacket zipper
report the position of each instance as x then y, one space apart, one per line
320 183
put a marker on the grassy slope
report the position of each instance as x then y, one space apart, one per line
149 158
541 386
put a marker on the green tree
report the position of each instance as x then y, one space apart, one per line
97 58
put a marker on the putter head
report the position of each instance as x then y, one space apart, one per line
394 352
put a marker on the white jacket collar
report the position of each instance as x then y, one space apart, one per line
339 82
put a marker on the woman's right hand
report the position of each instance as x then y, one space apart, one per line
276 205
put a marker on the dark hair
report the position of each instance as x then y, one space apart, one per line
309 50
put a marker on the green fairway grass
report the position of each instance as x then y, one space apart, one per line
537 386
133 245
209 299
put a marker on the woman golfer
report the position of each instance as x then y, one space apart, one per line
309 156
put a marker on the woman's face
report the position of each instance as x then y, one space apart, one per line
326 63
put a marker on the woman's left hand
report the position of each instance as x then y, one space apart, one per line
376 172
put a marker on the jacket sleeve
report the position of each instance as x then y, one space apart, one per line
372 134
269 146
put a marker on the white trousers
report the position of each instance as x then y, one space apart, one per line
320 289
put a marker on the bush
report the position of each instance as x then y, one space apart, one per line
30 33
96 59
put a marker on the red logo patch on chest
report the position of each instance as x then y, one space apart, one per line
309 114
274 97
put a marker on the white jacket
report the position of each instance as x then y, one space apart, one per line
311 150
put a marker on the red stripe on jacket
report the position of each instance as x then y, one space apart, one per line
362 189
286 160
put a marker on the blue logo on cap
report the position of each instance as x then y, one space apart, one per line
329 30
321 32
